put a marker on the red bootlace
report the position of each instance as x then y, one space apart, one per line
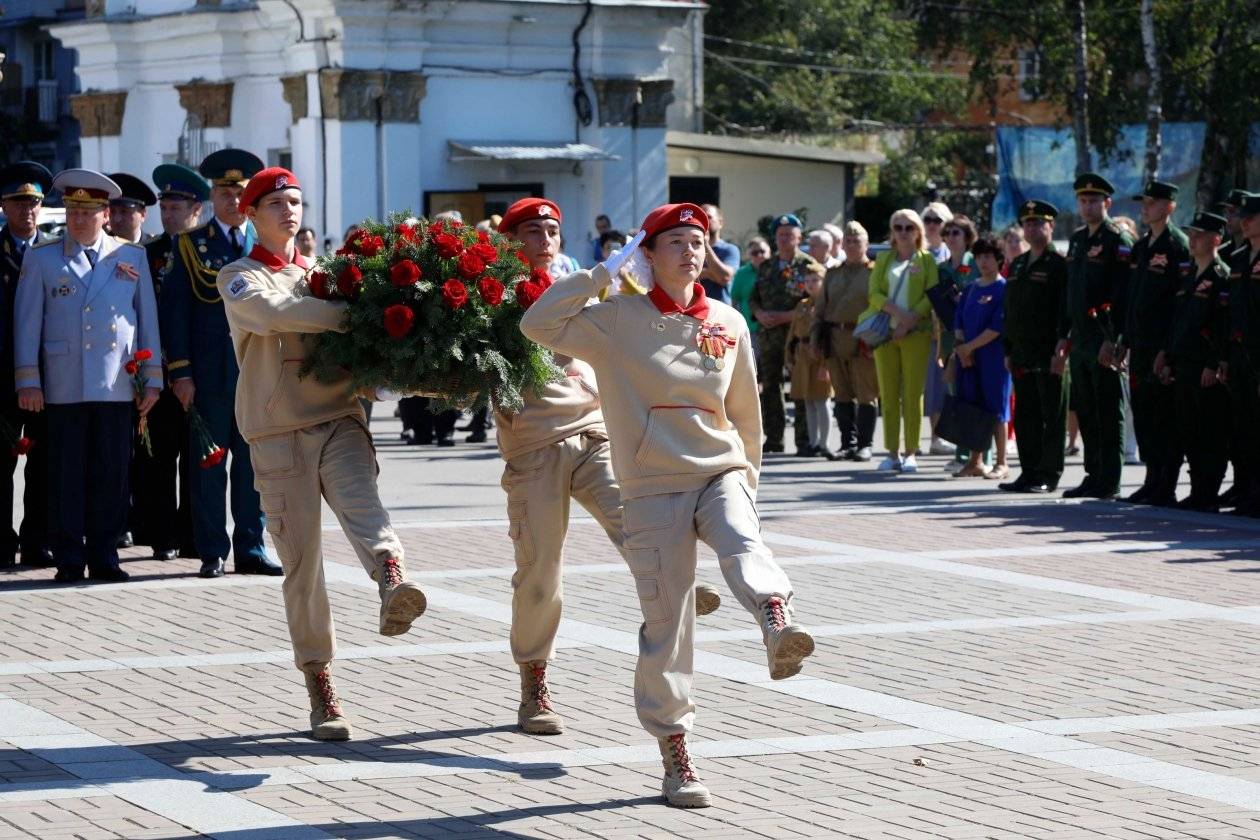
391 571
542 696
682 761
775 614
327 694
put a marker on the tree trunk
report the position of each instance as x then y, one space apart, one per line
1154 92
1215 157
1080 96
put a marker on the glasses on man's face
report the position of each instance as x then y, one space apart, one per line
931 220
903 228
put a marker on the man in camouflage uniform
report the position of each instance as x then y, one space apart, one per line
780 286
1098 268
1159 257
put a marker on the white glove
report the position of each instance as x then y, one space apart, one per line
619 257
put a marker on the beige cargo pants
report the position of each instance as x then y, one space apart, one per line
292 471
539 485
661 534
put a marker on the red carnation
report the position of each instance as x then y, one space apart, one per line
1092 312
349 281
398 320
213 458
471 265
487 252
407 232
131 367
143 355
22 446
447 245
491 290
404 274
1106 307
541 276
527 293
454 293
320 284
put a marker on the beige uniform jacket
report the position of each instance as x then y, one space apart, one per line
269 306
673 422
844 298
560 410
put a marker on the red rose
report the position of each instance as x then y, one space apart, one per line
447 245
131 367
349 281
471 265
404 274
491 290
527 293
22 446
398 320
320 284
436 228
213 458
454 293
483 237
407 233
370 246
143 355
487 252
541 276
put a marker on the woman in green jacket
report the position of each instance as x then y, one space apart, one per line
898 286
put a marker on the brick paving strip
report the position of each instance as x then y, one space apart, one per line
200 800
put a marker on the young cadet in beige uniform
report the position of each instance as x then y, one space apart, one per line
555 449
306 438
685 426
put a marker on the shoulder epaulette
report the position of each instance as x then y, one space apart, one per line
123 242
56 240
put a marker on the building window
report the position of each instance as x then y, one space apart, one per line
694 189
1029 75
44 63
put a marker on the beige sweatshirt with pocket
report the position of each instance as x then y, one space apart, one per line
268 309
674 422
562 409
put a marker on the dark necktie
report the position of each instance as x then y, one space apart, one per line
91 255
236 242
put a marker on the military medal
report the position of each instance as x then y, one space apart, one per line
713 342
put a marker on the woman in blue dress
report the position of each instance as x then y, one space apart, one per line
982 377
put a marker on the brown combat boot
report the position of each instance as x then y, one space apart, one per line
402 601
708 599
535 715
681 787
787 644
327 721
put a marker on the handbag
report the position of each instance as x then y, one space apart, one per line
877 329
945 297
965 424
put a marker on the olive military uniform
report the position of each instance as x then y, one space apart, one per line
1244 376
1158 265
1035 307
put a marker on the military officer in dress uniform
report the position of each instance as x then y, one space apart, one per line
1192 358
1035 311
157 519
128 212
1233 224
85 307
1243 370
203 371
1098 268
779 287
1158 261
22 189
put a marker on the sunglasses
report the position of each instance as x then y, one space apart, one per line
903 228
757 252
931 220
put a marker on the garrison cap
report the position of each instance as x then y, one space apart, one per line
25 179
86 188
788 219
1208 223
1036 209
175 180
135 193
1159 189
1236 198
528 210
230 167
1093 183
1250 205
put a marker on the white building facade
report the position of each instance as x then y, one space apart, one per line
383 105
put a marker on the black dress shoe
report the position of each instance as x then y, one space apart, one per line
258 566
476 437
1019 485
1040 487
109 574
211 568
1109 495
125 541
165 554
40 559
806 452
1083 490
771 447
1140 496
68 575
446 441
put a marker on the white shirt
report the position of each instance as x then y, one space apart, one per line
227 231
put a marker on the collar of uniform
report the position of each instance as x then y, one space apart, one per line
276 262
96 246
227 229
666 305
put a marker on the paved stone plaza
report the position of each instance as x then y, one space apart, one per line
987 667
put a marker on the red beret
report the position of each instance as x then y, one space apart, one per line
670 216
267 181
527 210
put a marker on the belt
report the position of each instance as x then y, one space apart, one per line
844 325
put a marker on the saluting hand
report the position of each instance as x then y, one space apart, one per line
150 398
31 399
